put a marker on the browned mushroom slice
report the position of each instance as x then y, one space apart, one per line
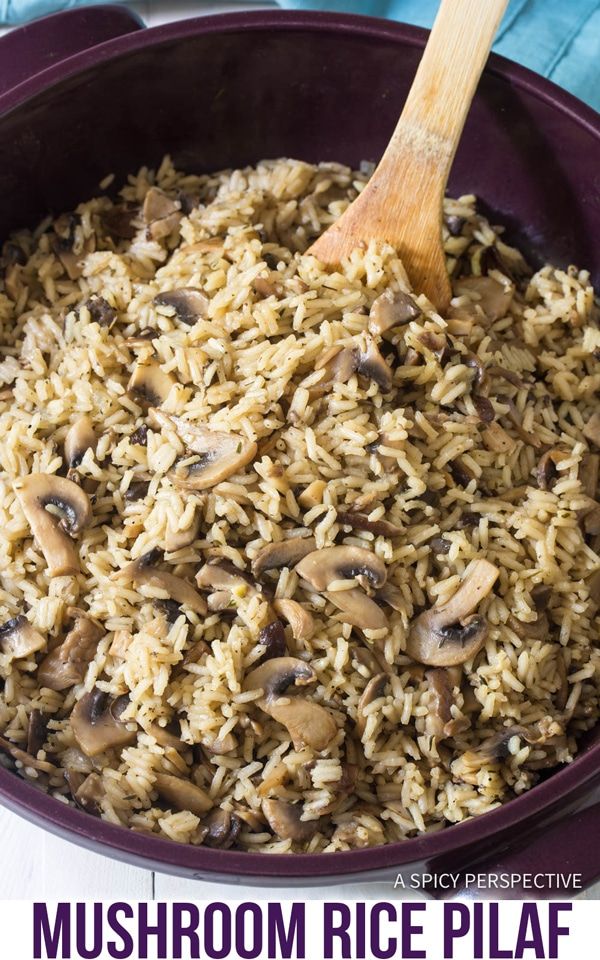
219 455
496 439
272 638
67 665
373 691
321 567
71 261
96 723
299 619
142 571
448 635
160 213
222 828
442 682
536 630
338 364
24 758
373 366
188 303
308 723
19 639
149 384
183 794
41 490
492 297
37 724
390 309
358 521
357 609
101 312
285 819
80 437
591 431
226 582
392 595
283 553
117 221
546 470
168 736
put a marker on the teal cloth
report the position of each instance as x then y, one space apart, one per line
557 38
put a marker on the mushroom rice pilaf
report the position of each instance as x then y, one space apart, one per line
288 560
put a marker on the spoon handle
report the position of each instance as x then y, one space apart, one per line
439 100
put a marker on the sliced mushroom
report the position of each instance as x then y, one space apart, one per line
101 312
80 437
546 471
321 567
299 619
219 454
338 364
41 490
373 691
183 794
19 639
142 571
67 664
223 829
96 723
272 637
227 583
160 213
149 384
591 431
358 521
168 736
25 759
285 819
448 635
283 553
37 724
357 609
492 297
442 682
188 303
589 473
536 630
62 248
390 309
308 723
87 792
373 366
496 439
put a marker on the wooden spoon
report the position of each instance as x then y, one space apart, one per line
402 203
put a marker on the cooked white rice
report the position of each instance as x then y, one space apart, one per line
484 449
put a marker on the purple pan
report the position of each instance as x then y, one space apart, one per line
89 92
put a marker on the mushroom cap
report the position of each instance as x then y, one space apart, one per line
307 722
358 609
40 490
184 794
321 567
282 553
299 619
373 366
96 725
448 635
223 828
493 298
285 820
80 437
149 383
19 639
373 691
219 454
141 571
189 303
391 308
66 665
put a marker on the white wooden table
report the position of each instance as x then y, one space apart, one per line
38 866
